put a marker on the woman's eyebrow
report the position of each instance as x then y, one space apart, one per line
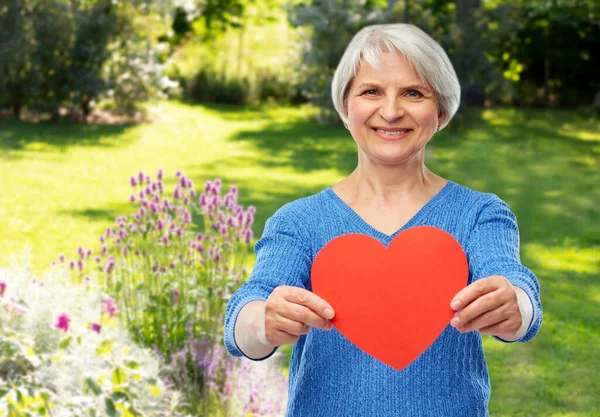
408 87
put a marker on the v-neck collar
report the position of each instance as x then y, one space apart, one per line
423 211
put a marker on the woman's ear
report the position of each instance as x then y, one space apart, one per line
441 120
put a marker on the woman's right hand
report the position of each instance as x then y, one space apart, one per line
291 311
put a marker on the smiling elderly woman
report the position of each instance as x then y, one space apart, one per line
394 89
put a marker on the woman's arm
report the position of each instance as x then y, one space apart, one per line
274 307
494 303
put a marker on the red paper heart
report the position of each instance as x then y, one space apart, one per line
392 303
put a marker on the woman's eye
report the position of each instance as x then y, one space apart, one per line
370 92
414 93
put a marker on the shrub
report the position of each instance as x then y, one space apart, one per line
63 353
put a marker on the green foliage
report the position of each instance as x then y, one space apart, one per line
62 53
326 27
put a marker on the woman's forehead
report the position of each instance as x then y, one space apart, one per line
393 67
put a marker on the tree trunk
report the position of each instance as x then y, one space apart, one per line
16 109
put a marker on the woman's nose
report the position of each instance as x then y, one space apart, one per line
391 109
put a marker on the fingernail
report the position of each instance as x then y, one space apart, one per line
455 304
455 322
328 313
328 326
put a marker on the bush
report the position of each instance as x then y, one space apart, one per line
64 353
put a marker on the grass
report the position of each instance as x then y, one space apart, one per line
64 184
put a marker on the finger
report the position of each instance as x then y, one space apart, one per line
302 314
278 338
311 301
487 302
292 327
473 291
498 328
487 319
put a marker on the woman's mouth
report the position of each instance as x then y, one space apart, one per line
395 134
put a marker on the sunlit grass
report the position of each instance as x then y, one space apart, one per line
64 184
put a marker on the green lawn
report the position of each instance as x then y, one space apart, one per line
62 185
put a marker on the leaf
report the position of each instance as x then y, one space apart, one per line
65 343
110 407
119 395
93 386
132 365
154 390
118 376
105 347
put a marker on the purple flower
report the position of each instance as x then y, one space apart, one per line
187 217
160 225
88 253
148 179
104 250
97 259
72 264
80 264
133 182
177 192
110 307
183 181
165 239
110 264
202 200
62 322
248 236
2 288
142 212
141 176
178 173
160 174
95 327
62 258
101 240
178 232
176 294
80 251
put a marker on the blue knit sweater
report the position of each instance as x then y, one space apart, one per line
331 377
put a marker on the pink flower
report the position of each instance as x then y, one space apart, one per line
62 322
176 294
160 174
132 198
95 327
110 307
2 288
132 181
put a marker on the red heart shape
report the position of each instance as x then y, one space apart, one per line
392 303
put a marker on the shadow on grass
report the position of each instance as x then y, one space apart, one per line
15 136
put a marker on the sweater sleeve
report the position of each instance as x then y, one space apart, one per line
493 249
282 258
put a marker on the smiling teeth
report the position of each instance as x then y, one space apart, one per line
387 132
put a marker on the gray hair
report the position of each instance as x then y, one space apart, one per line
426 56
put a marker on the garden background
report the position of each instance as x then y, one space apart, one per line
124 124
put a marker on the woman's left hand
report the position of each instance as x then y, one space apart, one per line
489 305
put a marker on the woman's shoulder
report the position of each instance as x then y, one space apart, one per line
476 200
303 209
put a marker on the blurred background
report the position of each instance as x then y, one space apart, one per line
94 91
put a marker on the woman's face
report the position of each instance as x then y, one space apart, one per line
391 115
